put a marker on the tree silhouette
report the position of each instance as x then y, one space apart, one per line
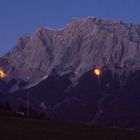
7 107
1 106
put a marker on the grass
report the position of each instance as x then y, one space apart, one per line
14 128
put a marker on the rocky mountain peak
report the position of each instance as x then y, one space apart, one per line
79 46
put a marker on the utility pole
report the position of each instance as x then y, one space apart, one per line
28 104
45 114
99 80
98 72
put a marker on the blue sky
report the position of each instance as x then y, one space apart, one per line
24 16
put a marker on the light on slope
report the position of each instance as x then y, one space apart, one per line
97 71
2 73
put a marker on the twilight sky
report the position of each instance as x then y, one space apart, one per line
24 16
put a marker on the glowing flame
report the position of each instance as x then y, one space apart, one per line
2 73
97 71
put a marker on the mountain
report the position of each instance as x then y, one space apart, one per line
77 47
55 67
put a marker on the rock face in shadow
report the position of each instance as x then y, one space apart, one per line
108 103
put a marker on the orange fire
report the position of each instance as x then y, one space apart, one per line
97 71
2 73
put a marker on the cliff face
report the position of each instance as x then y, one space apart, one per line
79 46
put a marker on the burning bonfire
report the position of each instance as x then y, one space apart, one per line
2 73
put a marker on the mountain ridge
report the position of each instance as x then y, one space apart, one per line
79 46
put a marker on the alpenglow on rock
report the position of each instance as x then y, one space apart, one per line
77 47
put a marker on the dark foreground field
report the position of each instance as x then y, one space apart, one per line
13 128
